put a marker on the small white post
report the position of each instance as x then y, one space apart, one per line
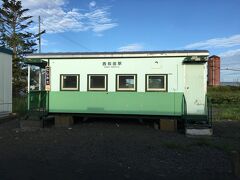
40 79
29 83
29 72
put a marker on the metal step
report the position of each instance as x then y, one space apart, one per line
199 131
195 117
198 126
197 120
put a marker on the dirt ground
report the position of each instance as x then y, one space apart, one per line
115 149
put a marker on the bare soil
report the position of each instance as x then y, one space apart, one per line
115 149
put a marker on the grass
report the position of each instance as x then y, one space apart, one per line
225 101
226 111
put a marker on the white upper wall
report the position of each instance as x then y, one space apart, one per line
172 66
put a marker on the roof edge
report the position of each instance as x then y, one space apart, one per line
6 51
120 54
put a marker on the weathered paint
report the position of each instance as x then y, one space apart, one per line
148 103
5 81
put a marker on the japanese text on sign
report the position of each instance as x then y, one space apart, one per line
114 64
47 79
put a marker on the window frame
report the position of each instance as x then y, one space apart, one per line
69 89
165 89
97 89
126 89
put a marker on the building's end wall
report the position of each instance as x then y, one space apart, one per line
5 82
195 88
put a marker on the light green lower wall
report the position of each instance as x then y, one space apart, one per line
145 103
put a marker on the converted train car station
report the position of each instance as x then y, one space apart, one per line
161 84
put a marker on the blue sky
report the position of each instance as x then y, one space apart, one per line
123 25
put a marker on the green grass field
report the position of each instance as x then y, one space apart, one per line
225 101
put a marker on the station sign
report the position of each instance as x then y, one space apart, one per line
109 64
47 79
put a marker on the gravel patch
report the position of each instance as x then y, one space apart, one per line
107 149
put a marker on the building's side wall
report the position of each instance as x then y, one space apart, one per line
5 82
112 102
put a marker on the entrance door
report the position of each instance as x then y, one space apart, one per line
195 88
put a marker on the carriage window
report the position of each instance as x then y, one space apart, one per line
126 82
156 82
97 82
70 82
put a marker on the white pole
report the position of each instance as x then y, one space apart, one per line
39 30
40 79
29 71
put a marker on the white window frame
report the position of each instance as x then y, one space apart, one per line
156 89
69 89
126 89
97 89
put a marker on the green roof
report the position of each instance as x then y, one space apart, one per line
36 62
6 51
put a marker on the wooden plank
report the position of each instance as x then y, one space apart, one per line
169 125
63 121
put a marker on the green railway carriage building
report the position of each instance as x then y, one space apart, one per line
150 83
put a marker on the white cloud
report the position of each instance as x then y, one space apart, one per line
131 47
39 4
230 60
55 17
92 4
44 42
230 53
216 43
